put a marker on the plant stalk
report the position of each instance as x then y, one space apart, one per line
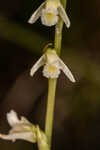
52 82
58 31
50 109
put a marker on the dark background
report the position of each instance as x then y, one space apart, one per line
77 109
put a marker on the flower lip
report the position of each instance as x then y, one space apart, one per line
51 71
49 17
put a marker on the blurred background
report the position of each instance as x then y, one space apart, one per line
77 109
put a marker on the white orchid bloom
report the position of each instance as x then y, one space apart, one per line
24 130
52 66
49 11
21 129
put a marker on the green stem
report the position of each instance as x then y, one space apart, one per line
58 31
50 109
52 82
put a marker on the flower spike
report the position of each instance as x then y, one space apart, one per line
52 66
49 11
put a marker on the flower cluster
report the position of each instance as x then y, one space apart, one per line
25 130
49 11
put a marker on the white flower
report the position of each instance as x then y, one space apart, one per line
49 11
21 129
24 130
52 66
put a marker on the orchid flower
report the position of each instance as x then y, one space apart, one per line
20 129
50 11
52 66
24 130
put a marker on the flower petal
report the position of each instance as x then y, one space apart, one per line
63 15
37 65
49 17
25 121
36 14
28 136
12 118
66 71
